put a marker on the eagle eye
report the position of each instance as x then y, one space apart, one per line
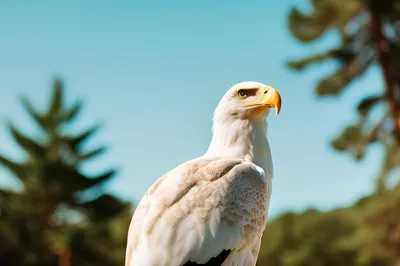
242 93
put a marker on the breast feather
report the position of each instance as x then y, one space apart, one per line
207 197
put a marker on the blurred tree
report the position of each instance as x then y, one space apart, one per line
370 35
365 234
59 217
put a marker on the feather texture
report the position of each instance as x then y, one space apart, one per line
198 210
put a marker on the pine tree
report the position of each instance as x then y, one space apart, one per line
60 216
369 32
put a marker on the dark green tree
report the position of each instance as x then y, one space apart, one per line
60 216
369 32
365 234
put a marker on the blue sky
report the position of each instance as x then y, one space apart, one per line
154 71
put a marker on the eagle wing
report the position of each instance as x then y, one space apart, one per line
198 210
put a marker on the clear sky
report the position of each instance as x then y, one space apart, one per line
154 71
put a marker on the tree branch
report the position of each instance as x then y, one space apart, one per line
388 70
64 258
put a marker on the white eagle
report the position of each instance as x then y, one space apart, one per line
212 210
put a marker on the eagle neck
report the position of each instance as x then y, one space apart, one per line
246 139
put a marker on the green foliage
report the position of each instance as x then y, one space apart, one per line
325 15
368 103
355 139
358 51
365 234
51 221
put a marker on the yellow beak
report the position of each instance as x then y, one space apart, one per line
269 97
